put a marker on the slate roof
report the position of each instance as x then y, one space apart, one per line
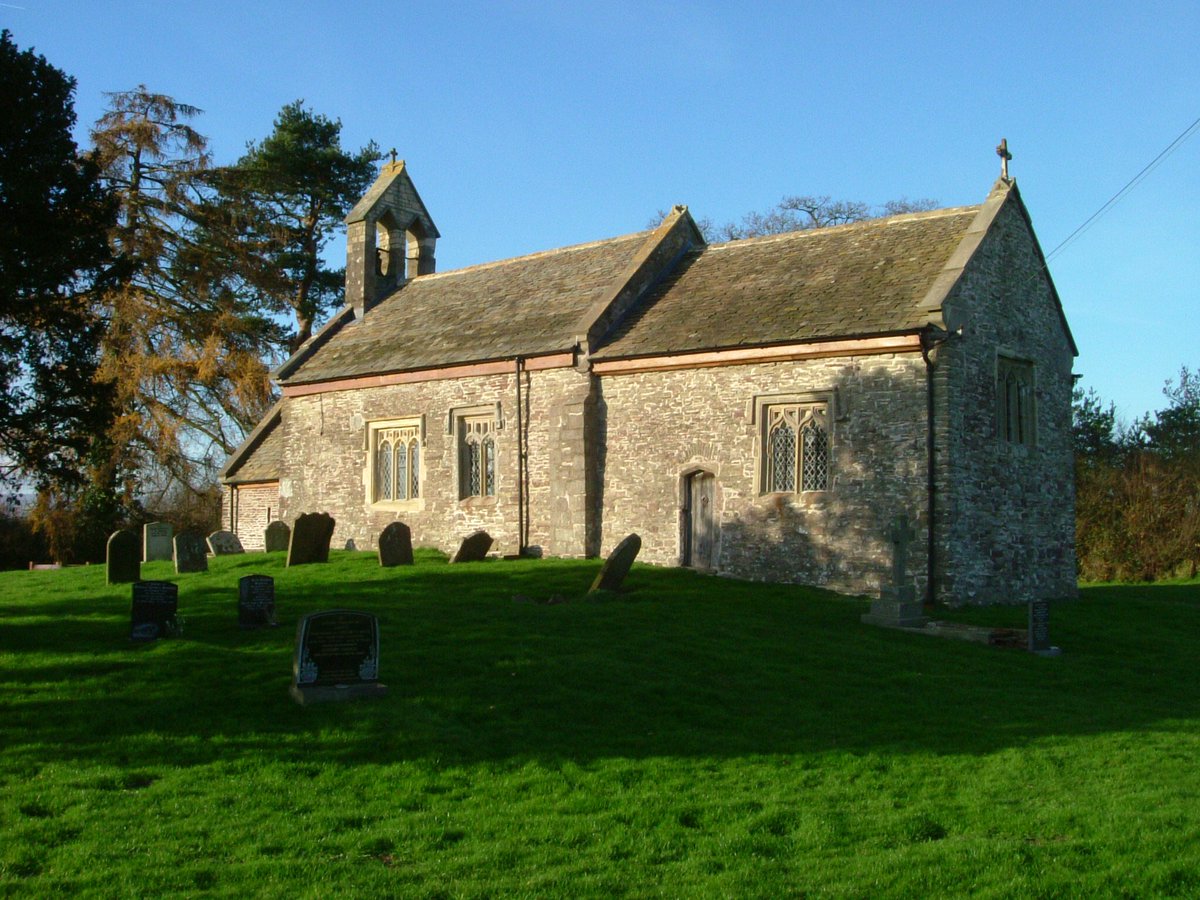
260 456
867 278
525 306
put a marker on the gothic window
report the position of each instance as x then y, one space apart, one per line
1015 414
396 462
477 456
796 447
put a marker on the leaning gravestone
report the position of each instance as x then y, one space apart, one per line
224 543
277 536
311 534
155 610
191 553
473 548
897 606
395 545
156 541
256 601
124 557
612 574
336 658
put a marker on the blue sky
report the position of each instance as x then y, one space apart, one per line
532 125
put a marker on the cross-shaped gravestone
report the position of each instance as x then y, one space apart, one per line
900 535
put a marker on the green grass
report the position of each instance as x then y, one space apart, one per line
697 737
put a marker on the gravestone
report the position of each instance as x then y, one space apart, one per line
124 557
1039 629
156 541
336 657
224 543
897 606
155 610
612 574
395 545
191 553
256 601
277 536
311 534
350 545
473 548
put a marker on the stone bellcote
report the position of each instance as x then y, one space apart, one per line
390 238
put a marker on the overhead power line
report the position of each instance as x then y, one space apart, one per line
1133 182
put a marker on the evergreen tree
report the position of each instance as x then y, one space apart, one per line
54 215
283 201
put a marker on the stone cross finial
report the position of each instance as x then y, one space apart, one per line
393 152
900 534
1005 156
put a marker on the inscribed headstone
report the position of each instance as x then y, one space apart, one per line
612 574
124 557
1039 627
256 601
336 657
277 536
155 609
224 543
156 541
395 545
473 548
311 534
191 553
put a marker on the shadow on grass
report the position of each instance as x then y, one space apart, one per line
682 665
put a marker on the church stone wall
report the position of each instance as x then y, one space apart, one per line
1006 511
325 459
662 425
247 509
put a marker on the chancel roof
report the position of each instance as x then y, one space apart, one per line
868 278
525 306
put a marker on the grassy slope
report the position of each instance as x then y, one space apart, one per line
699 737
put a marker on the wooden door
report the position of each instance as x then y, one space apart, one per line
700 537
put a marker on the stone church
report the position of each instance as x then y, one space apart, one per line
763 408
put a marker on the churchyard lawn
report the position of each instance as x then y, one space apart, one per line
696 737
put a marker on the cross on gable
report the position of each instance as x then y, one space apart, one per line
901 534
1005 156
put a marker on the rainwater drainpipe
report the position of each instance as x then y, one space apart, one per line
932 337
520 463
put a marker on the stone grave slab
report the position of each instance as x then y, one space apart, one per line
256 601
123 557
1039 629
224 543
311 533
277 535
155 611
612 574
336 657
156 541
473 548
395 545
191 553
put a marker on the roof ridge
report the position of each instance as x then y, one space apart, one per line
898 219
539 254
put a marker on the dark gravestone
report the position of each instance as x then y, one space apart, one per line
155 610
395 545
1039 629
311 534
156 541
336 657
473 548
224 543
277 536
612 574
191 553
124 557
256 601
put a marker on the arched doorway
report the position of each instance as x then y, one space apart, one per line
699 521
